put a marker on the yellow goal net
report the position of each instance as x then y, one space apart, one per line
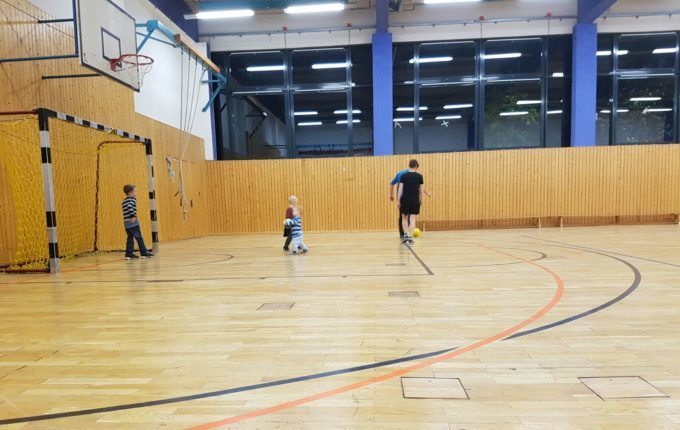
88 165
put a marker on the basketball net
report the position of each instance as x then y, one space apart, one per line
141 64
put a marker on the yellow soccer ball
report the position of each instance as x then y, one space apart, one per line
416 232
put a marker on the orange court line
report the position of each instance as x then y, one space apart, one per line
399 372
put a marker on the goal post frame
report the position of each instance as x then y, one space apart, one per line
44 115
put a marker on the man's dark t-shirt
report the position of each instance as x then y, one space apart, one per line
411 188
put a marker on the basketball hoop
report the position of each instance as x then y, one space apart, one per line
142 63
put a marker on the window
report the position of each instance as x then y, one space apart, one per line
404 115
446 60
403 66
559 56
647 51
257 126
362 121
448 114
645 110
512 57
257 69
557 114
605 53
512 114
603 107
321 124
362 65
319 66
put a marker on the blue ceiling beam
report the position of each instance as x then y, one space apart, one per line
590 10
175 10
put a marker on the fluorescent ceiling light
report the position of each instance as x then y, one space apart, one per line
410 109
315 8
306 113
658 110
309 124
219 14
431 60
608 53
528 102
406 119
554 112
645 99
344 121
618 111
558 75
321 66
665 51
449 1
459 106
501 56
344 111
276 68
442 117
518 113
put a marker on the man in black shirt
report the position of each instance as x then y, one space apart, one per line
410 196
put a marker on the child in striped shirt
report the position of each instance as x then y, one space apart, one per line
296 233
131 223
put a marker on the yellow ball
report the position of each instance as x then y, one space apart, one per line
416 232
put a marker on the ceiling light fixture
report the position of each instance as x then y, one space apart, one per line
442 117
306 113
459 106
315 8
518 113
322 66
309 124
665 51
645 99
431 60
220 14
276 68
410 109
502 56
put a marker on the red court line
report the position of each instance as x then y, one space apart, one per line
399 372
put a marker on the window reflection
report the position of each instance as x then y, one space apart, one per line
449 122
512 114
645 110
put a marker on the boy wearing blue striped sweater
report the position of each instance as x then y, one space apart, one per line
131 223
295 225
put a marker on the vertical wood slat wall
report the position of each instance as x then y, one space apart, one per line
98 99
351 194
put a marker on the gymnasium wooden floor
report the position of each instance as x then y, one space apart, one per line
230 333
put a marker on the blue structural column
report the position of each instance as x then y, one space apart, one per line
584 72
383 131
584 85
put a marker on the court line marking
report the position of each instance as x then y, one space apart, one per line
256 386
604 250
633 286
557 296
420 260
219 393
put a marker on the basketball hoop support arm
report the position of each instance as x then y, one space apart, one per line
215 76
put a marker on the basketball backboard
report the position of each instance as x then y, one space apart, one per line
106 32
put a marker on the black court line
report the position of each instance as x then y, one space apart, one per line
225 278
542 255
420 260
633 286
219 392
608 252
318 375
